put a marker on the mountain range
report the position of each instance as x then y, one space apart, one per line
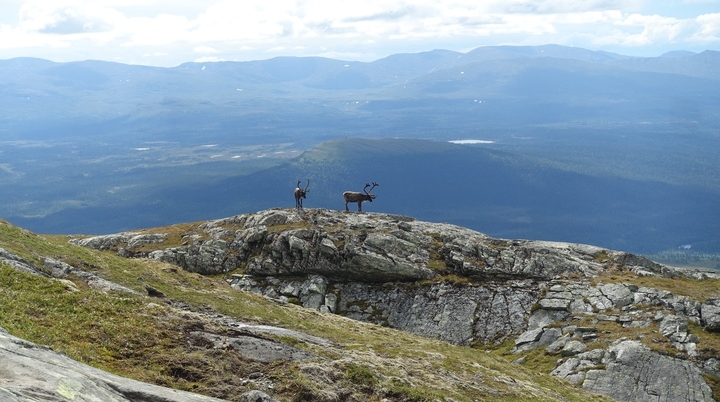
563 143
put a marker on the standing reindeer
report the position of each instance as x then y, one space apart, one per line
356 196
300 194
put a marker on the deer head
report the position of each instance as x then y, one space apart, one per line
305 190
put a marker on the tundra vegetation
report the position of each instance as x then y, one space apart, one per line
154 339
150 339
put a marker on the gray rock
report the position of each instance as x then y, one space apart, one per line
573 348
143 239
674 328
361 247
542 318
536 338
105 242
29 372
619 295
595 356
529 336
568 367
256 396
19 263
557 345
634 373
710 313
62 270
312 292
201 258
554 304
573 369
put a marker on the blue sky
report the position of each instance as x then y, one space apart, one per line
171 32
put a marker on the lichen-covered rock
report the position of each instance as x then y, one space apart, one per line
710 312
104 242
634 373
573 348
201 258
359 247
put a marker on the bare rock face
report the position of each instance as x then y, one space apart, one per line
634 373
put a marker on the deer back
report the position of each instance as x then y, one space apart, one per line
354 196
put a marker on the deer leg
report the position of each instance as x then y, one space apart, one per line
360 206
346 207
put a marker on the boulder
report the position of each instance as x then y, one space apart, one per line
710 313
573 348
256 396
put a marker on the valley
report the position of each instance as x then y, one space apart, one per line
565 144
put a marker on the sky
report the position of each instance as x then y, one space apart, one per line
168 33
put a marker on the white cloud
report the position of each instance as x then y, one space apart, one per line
160 30
66 17
168 32
708 28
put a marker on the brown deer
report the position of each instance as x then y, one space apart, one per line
300 194
356 196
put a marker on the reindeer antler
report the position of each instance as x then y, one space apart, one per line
374 184
306 187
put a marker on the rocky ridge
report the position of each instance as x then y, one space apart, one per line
387 366
447 282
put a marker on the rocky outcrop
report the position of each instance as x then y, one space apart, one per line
60 270
461 314
629 371
633 373
362 247
451 283
20 263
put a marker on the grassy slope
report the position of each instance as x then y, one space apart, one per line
145 339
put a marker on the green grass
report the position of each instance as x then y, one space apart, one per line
146 339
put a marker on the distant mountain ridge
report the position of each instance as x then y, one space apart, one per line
104 91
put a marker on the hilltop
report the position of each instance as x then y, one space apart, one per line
333 306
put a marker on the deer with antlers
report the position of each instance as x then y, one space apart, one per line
356 196
300 193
